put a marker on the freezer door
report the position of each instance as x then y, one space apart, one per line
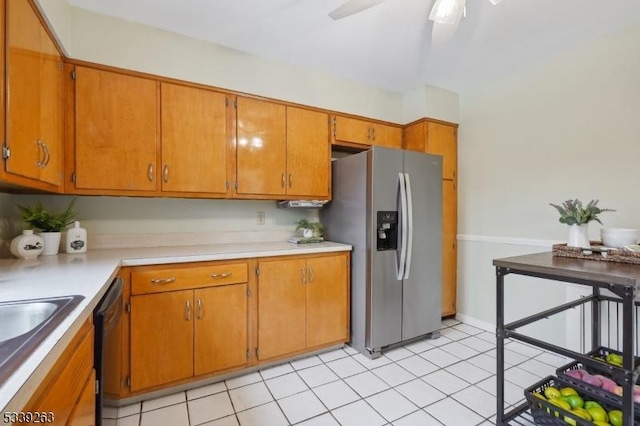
385 289
422 287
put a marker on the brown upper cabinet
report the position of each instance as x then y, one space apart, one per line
346 130
195 135
116 133
261 148
308 154
33 150
434 138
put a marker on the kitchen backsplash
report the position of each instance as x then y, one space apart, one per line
115 222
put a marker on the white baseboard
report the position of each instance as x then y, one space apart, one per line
474 322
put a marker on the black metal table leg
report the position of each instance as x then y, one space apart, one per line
500 273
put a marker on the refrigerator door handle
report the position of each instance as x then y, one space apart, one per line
400 264
409 225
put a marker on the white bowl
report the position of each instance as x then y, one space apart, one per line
618 237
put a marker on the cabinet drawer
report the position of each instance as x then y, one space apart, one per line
155 280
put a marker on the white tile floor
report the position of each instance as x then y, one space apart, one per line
448 381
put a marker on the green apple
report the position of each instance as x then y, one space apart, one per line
615 417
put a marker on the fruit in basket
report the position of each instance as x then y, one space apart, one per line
607 383
617 390
592 404
574 400
576 374
615 417
582 413
552 392
568 391
614 359
592 380
602 423
559 402
598 414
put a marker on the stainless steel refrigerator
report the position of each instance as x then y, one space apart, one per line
387 203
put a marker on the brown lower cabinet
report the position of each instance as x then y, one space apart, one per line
193 321
302 304
68 390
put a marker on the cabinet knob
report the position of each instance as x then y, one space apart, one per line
290 180
310 274
187 311
283 179
165 173
47 156
150 172
303 275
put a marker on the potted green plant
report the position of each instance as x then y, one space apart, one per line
575 214
310 229
49 224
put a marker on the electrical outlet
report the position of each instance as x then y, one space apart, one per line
260 218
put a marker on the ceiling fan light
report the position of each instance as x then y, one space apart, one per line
446 11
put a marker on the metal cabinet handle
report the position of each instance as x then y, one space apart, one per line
47 156
40 162
223 275
290 180
199 312
283 179
334 127
165 173
369 133
158 281
187 311
373 131
150 172
303 275
310 274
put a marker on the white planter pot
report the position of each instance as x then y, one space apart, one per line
579 236
51 243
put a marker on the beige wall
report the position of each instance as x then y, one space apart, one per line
562 129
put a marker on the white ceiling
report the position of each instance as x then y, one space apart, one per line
389 45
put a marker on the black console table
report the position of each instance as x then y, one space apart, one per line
623 280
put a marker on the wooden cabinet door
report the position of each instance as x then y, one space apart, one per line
281 307
194 140
327 300
35 99
449 247
389 136
260 147
441 140
414 137
84 411
116 133
220 338
308 153
351 130
161 338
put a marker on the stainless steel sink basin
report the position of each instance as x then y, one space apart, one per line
24 324
20 318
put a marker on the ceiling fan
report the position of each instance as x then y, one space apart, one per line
443 11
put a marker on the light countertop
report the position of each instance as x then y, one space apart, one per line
89 275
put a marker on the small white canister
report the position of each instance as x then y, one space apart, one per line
27 245
76 241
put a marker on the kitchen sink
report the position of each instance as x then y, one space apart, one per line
24 324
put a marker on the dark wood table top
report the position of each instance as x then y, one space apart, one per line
566 267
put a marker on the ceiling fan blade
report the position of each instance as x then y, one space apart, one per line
352 7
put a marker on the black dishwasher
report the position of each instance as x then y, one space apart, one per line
107 319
